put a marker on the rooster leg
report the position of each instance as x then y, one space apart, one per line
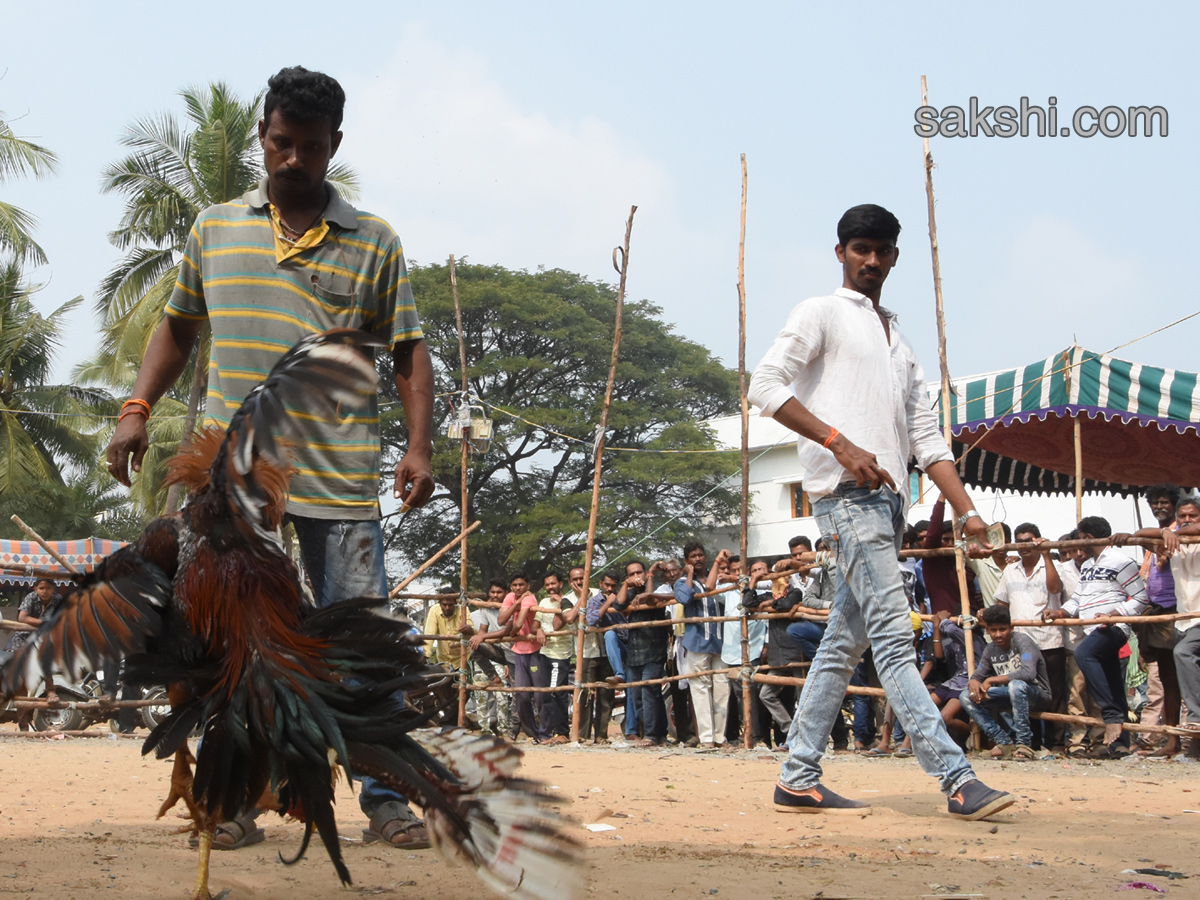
181 787
201 892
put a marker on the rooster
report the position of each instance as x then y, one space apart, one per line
285 694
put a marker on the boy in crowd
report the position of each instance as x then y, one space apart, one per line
556 707
950 646
519 608
1011 676
493 709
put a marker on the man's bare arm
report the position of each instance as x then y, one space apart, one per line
162 365
414 381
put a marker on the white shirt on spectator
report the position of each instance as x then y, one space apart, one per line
1185 568
1028 597
1109 585
833 356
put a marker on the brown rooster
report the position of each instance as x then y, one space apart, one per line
208 601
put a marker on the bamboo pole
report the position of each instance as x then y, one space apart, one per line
395 592
44 545
593 512
462 568
960 561
747 735
1078 469
34 572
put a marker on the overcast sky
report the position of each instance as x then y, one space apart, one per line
521 133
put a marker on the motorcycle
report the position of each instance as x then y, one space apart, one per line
60 719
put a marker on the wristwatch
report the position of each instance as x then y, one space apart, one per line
969 514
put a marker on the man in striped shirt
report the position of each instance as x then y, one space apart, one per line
287 260
1109 585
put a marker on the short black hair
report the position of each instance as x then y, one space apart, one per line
867 221
41 581
639 562
799 540
923 525
301 94
690 546
553 573
496 582
515 575
1028 528
613 574
996 615
1095 526
1155 491
1008 532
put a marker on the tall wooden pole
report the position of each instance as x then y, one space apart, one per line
747 731
466 455
960 562
623 268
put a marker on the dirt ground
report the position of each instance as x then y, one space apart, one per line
76 821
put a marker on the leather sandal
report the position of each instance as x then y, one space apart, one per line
235 834
396 831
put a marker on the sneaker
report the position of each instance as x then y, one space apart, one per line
818 799
975 800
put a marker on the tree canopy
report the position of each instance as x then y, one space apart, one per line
538 347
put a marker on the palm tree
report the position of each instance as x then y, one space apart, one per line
43 427
173 172
20 157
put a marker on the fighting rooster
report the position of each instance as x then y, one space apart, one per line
285 694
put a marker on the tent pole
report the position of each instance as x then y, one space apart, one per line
1078 472
960 562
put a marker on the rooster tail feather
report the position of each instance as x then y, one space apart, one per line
513 838
304 842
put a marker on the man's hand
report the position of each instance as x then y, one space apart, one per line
1049 615
976 528
539 638
476 642
414 479
466 630
128 440
1120 539
976 691
862 466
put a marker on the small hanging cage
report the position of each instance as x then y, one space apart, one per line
471 423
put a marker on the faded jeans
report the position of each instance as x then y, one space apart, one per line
1012 702
614 647
870 609
344 560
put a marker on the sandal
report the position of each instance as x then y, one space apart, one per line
903 753
877 753
234 834
394 828
1023 752
1001 751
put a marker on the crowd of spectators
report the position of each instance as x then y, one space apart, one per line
1114 672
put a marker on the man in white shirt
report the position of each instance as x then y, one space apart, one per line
840 375
1109 585
1028 589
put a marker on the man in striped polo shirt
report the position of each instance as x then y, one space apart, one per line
289 259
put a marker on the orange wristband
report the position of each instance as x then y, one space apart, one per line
833 432
134 406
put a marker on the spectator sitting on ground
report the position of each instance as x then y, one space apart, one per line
950 645
1011 676
33 607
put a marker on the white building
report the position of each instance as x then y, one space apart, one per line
779 507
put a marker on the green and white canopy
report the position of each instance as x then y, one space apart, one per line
1138 425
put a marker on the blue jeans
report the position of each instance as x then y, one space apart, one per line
864 527
649 699
807 634
1012 702
344 560
615 648
1098 658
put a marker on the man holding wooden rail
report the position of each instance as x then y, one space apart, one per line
840 375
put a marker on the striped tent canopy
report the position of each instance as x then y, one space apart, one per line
1138 425
83 554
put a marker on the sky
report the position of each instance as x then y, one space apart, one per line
521 133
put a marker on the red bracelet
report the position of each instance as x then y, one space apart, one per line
833 432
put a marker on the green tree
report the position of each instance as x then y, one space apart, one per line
173 172
43 427
538 348
20 157
90 505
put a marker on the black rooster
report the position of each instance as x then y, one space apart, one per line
285 694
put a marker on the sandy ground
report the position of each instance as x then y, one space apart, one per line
76 820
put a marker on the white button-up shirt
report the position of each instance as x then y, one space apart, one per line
833 356
1028 597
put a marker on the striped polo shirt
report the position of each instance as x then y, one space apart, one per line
354 276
